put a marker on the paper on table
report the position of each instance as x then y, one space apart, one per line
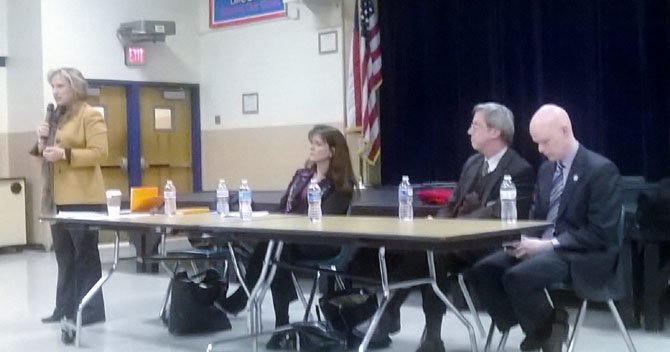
80 214
125 214
255 214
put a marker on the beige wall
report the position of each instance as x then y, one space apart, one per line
4 156
266 156
24 165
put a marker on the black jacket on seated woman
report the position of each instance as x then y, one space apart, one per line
329 163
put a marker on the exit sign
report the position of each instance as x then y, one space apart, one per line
135 56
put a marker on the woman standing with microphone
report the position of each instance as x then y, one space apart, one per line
72 143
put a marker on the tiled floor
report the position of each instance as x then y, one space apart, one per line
133 301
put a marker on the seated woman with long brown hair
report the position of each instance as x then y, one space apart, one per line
329 163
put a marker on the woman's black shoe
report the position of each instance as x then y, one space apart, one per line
234 304
282 341
53 318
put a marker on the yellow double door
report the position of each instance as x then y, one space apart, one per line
151 147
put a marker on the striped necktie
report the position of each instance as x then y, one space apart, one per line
485 168
557 185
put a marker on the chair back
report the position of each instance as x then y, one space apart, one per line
615 288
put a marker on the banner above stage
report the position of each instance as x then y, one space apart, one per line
223 13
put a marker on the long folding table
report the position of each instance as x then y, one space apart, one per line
428 235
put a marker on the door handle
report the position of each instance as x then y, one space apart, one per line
181 165
123 164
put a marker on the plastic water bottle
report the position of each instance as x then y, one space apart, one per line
244 197
314 200
170 197
508 200
222 207
405 197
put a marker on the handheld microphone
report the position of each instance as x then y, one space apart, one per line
48 119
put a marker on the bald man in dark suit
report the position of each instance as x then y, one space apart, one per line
577 190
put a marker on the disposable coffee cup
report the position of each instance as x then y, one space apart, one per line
113 202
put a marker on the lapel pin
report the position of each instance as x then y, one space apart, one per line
575 178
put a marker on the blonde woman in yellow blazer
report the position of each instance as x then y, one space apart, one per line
73 143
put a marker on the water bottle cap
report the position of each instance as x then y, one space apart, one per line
221 180
405 178
244 181
507 177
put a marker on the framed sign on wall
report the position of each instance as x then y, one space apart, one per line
224 13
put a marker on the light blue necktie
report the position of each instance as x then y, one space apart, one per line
557 185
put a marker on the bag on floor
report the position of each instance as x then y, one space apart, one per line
316 339
344 310
192 307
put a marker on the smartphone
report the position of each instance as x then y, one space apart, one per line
510 246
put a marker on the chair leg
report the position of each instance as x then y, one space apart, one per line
299 292
238 272
312 295
489 336
551 302
339 282
581 315
622 327
503 341
471 306
225 269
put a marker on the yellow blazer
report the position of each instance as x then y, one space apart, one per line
82 132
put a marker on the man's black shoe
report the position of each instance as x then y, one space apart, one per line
431 345
234 304
549 338
532 342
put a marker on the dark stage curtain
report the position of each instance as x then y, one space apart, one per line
606 62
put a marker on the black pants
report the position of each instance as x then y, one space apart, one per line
79 267
513 290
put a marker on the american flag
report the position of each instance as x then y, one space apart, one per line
365 77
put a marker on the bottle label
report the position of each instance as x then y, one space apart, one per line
245 196
222 193
508 194
313 196
404 195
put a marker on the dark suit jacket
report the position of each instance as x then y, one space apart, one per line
511 163
333 202
586 225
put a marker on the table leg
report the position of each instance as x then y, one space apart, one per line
256 298
385 299
433 282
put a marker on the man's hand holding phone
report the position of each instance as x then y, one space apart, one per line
510 246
